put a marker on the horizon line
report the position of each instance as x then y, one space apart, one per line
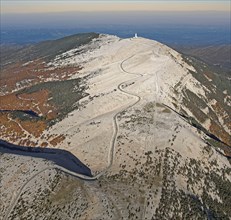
121 11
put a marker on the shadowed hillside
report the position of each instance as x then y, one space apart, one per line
46 50
218 55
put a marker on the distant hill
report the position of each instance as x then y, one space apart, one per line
219 55
46 49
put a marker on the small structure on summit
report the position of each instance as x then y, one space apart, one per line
135 35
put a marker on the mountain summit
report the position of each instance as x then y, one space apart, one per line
153 126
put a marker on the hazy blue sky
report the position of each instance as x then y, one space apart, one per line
32 6
75 12
182 21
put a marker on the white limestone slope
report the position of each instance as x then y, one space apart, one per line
142 68
147 161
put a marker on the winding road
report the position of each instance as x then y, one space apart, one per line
111 150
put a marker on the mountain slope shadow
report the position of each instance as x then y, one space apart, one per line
60 157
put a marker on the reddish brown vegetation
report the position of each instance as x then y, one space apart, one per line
219 130
27 142
57 140
209 75
34 127
37 102
18 75
225 116
221 133
44 144
9 127
18 131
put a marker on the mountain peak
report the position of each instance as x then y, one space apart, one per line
153 126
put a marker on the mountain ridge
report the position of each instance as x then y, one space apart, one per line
117 105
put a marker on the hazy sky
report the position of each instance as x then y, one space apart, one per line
75 13
167 20
32 6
